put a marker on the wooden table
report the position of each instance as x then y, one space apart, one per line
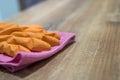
96 53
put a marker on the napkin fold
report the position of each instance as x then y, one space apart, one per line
24 59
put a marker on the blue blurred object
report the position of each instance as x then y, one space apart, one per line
8 8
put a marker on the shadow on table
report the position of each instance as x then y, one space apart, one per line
34 67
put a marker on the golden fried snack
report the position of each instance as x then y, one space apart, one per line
15 38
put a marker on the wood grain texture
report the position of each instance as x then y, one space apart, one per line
96 53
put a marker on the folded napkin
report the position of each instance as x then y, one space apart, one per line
24 59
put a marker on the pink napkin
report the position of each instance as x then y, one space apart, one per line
23 59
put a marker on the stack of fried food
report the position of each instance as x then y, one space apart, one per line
15 38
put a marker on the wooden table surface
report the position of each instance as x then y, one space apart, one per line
96 53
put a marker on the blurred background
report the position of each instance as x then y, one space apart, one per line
10 8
